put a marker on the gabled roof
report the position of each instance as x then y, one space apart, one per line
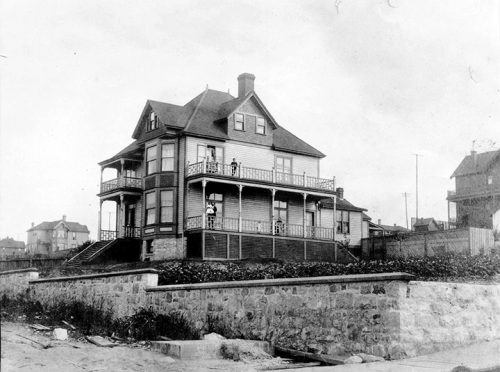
342 205
394 228
206 116
72 226
479 165
365 217
11 243
425 222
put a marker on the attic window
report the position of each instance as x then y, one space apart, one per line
239 122
153 121
260 127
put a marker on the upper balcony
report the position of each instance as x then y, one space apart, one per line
121 184
228 171
482 191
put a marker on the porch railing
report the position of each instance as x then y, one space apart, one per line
120 182
259 227
266 175
131 232
108 235
480 190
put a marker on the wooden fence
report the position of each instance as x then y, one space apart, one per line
470 240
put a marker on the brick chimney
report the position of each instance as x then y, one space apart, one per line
245 84
379 222
340 192
64 217
32 224
474 156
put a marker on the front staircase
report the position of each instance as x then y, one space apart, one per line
87 254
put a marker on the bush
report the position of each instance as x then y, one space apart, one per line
445 267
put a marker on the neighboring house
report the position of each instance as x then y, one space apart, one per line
477 191
50 237
378 229
228 152
11 247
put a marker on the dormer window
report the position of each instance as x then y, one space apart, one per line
153 121
239 122
260 126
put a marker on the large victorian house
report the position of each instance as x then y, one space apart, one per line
219 178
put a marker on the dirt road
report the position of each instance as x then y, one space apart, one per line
21 354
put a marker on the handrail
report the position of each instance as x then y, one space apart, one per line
259 174
116 183
259 227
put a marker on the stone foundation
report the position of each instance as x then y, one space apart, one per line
165 249
15 283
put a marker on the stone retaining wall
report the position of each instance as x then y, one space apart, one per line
381 314
330 315
15 283
121 293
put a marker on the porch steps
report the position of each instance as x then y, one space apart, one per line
87 253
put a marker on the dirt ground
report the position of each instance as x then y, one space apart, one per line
21 354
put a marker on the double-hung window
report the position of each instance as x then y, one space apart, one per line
166 206
151 160
343 222
150 208
239 121
167 157
153 121
260 126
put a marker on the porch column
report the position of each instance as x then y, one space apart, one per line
240 217
335 226
304 233
122 164
273 194
203 206
99 218
100 184
120 232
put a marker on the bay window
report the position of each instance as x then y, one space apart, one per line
150 208
167 157
151 160
166 206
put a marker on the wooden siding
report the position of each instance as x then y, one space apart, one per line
181 153
253 156
249 135
355 225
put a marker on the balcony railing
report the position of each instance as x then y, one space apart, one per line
474 191
257 174
108 235
121 182
259 227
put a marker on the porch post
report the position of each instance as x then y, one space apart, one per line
122 163
203 197
121 227
335 226
99 218
273 194
240 218
304 233
100 185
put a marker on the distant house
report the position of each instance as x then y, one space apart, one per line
49 237
477 191
378 229
426 224
10 247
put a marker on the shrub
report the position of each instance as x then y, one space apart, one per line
444 267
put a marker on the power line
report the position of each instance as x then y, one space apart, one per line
405 194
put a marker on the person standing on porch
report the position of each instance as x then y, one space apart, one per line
234 167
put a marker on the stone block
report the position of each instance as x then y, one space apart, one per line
196 349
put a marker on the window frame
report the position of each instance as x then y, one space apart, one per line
206 146
219 203
283 169
263 125
151 161
236 114
148 208
277 207
152 121
165 144
343 221
164 207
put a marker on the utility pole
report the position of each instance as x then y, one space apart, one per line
405 194
416 185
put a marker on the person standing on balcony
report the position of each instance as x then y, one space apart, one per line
211 212
234 167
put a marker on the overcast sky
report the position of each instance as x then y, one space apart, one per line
369 83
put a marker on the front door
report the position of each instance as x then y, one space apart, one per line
130 215
310 224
